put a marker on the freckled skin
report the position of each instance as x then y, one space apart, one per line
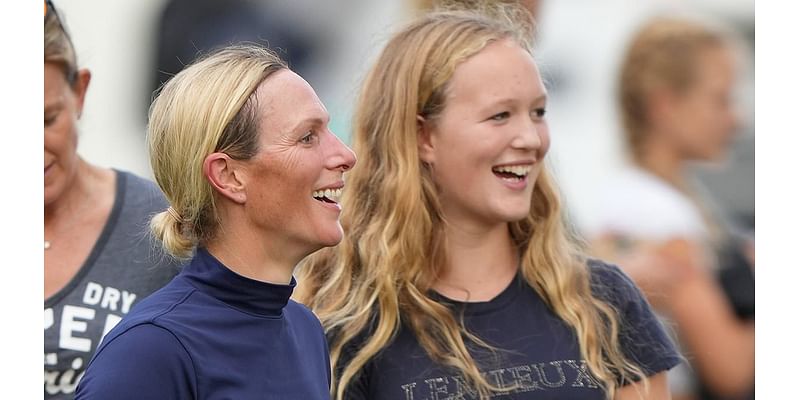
488 120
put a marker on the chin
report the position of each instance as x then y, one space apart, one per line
331 238
515 211
51 194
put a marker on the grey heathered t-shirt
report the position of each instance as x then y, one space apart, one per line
124 266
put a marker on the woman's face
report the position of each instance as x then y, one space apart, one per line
62 108
487 146
294 181
702 121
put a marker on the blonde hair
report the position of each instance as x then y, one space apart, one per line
663 54
393 249
208 107
58 47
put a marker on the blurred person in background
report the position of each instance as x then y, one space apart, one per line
697 269
99 259
533 6
456 276
240 146
188 28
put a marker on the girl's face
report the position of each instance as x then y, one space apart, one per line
487 146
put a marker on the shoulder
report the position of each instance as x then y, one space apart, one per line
610 284
299 313
135 181
143 361
130 243
149 322
634 196
608 279
141 192
642 336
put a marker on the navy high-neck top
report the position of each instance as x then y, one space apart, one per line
212 334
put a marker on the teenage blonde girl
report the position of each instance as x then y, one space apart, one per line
456 276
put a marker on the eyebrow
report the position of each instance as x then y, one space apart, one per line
316 120
53 107
540 98
511 101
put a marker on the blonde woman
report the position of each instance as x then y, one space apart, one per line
675 95
456 278
240 146
98 258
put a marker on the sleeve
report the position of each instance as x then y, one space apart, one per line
642 336
144 362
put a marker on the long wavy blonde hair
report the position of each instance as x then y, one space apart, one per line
393 250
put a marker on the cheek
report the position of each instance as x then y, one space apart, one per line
61 138
544 137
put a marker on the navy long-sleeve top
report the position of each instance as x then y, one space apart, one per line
212 334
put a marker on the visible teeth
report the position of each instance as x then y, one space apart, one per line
330 194
519 170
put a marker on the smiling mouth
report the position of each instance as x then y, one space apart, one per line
330 196
514 173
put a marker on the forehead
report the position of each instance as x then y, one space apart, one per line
502 70
715 63
285 100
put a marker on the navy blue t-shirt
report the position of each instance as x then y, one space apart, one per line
212 334
534 349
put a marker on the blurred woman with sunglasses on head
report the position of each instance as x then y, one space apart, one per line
98 257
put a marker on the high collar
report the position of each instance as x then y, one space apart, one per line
210 276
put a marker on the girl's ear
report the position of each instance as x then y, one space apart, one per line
425 140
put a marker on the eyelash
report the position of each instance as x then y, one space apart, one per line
500 116
50 120
308 138
537 113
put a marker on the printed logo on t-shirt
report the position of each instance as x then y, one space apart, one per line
73 331
518 379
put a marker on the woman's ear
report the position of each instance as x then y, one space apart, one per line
661 103
80 87
221 172
425 140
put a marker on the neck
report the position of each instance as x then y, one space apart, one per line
663 160
249 253
87 184
480 262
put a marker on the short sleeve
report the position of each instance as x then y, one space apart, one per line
144 362
642 336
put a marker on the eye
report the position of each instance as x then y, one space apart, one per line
500 116
309 138
49 120
538 113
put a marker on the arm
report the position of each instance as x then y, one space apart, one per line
675 281
657 389
144 362
721 346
